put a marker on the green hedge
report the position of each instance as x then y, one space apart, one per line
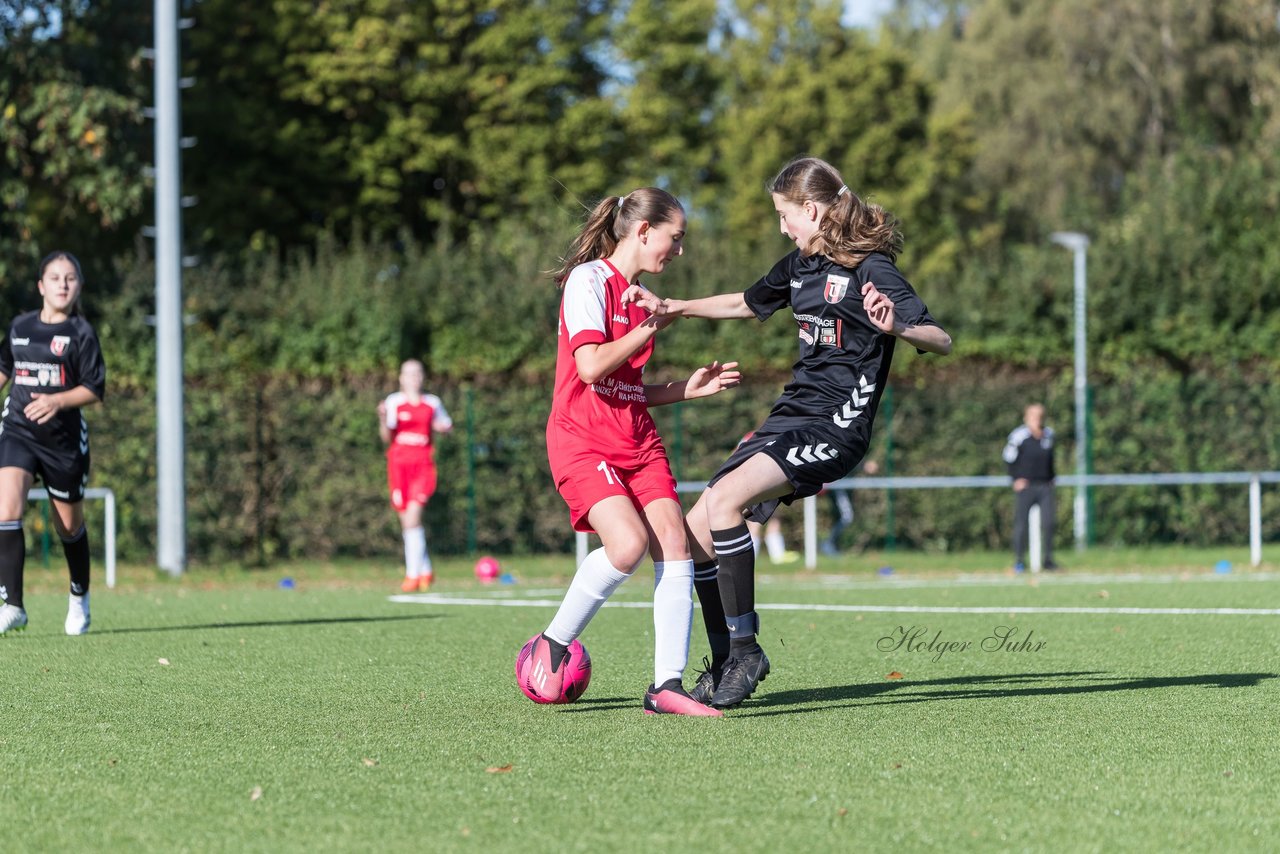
293 467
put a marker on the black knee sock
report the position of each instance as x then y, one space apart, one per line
737 580
13 553
704 581
76 548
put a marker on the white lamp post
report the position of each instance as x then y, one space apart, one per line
1078 243
171 515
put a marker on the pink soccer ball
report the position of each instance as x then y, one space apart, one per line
577 673
488 569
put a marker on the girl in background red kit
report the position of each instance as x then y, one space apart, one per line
407 422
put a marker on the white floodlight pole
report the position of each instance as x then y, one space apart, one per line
171 518
1078 244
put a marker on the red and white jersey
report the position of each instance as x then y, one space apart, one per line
609 417
411 423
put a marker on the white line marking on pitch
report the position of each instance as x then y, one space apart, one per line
837 582
942 609
437 599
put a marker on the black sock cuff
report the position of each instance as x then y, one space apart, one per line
11 525
706 571
730 541
76 537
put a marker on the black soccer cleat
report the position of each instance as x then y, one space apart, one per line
740 679
708 681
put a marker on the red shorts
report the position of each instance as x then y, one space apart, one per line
411 482
585 481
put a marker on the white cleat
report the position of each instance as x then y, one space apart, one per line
77 614
12 619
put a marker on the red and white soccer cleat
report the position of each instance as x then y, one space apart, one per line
674 701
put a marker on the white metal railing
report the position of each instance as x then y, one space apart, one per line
108 523
1253 480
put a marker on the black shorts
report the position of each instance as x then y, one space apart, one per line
811 456
63 475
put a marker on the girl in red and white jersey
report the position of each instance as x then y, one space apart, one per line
606 457
407 420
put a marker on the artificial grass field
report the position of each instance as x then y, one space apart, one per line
221 712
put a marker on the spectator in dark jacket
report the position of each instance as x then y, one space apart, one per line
1029 456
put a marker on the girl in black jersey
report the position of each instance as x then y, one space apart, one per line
53 358
850 305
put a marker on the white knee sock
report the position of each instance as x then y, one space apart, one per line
672 618
415 546
593 583
426 555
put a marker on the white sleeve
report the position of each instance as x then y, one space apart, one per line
440 419
584 301
392 416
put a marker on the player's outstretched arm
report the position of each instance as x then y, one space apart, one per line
879 308
718 307
704 382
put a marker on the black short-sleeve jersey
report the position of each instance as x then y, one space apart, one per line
48 358
844 359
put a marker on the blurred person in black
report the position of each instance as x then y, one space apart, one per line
1029 456
842 509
